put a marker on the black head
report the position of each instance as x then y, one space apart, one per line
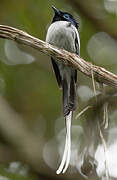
63 16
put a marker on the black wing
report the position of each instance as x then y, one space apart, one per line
57 72
77 45
77 52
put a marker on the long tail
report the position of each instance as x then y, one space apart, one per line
69 105
69 96
67 150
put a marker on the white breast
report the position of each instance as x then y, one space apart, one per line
62 34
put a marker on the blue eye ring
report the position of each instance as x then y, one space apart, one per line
66 16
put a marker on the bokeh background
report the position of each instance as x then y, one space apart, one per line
32 128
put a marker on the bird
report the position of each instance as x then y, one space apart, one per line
63 33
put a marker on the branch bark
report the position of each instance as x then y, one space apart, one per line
70 59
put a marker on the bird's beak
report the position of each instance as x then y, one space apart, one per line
55 10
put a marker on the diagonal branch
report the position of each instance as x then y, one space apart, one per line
70 59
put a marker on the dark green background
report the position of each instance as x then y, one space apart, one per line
31 89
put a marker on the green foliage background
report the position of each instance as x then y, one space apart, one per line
31 89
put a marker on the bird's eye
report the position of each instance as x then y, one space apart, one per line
66 16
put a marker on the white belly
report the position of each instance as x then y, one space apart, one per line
62 34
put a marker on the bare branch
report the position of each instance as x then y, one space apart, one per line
70 59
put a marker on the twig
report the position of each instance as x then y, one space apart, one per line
105 150
84 110
105 106
70 59
105 121
93 82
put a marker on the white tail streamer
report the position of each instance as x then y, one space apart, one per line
67 150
